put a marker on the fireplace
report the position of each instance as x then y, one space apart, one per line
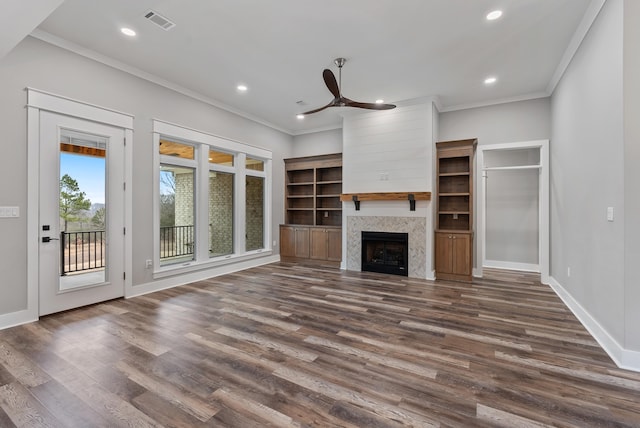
385 252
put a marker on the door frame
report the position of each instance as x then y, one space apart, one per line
38 101
543 203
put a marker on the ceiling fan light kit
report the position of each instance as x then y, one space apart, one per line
336 89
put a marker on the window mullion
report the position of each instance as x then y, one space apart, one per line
240 196
202 204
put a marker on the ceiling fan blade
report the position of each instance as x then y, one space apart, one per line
330 81
319 109
370 106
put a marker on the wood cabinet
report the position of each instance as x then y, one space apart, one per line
454 218
453 255
314 243
294 241
313 186
326 244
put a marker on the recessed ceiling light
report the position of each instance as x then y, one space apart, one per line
490 80
242 88
128 32
491 16
300 116
379 101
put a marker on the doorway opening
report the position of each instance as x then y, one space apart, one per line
514 207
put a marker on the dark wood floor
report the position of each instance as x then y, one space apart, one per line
286 345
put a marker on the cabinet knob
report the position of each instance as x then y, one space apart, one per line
454 237
450 237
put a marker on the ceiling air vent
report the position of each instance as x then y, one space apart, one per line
159 20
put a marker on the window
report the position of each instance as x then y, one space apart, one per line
177 186
255 213
220 213
213 203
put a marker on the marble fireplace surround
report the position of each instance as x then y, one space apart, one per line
416 227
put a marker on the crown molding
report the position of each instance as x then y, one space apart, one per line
588 19
150 77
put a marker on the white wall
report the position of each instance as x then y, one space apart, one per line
587 175
317 143
396 143
37 64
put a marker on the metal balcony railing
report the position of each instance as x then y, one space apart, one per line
82 251
176 241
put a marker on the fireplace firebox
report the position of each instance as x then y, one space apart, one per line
385 252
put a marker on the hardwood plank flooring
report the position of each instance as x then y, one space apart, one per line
287 345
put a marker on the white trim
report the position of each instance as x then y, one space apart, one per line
588 19
186 278
543 204
624 358
202 142
511 168
525 267
196 136
69 107
40 100
526 97
88 53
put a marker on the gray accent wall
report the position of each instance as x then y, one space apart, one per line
317 143
594 165
34 63
631 82
499 124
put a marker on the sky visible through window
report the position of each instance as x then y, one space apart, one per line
88 171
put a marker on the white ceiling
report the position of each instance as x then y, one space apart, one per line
396 49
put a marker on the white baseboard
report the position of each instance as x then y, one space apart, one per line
182 279
624 358
13 319
525 267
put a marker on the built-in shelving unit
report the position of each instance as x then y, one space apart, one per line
454 221
313 188
313 210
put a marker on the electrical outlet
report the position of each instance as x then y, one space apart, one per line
275 243
149 264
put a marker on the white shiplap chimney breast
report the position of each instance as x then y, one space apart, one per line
390 151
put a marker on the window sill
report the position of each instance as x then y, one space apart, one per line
192 266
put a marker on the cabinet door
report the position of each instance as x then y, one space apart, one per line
301 242
444 254
318 247
287 241
334 245
461 252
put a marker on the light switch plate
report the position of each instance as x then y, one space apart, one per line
609 213
8 212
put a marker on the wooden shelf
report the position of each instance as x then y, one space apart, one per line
386 196
312 192
454 221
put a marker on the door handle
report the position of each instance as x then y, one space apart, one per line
49 239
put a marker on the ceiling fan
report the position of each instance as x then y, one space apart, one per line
339 100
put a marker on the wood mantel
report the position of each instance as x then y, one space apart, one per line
386 196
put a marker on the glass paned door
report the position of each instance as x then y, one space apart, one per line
81 212
83 209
